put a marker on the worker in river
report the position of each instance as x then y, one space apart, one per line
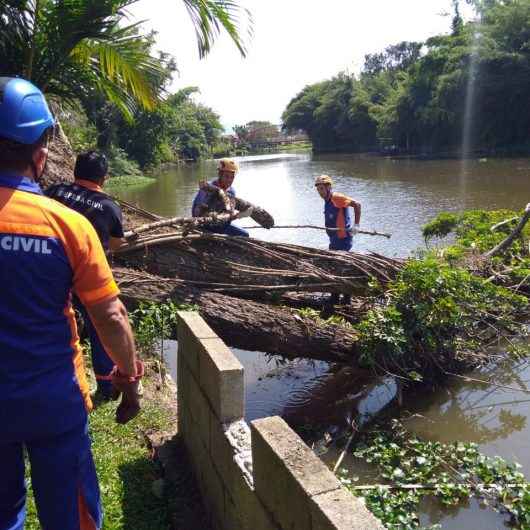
338 220
337 214
219 196
48 252
86 196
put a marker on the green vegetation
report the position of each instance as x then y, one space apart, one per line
437 318
127 181
451 474
412 97
448 309
179 128
153 323
77 49
474 236
106 83
82 49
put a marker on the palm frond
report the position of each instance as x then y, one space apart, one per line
15 33
75 48
124 61
210 16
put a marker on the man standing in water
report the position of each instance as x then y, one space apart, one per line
209 200
86 196
338 220
48 252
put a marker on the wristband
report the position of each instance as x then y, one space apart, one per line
117 375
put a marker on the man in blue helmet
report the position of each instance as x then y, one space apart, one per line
47 253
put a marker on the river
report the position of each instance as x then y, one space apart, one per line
397 196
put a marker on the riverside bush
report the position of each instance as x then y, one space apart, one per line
436 317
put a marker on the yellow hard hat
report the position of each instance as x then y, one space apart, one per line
227 164
323 179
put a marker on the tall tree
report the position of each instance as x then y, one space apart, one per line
75 48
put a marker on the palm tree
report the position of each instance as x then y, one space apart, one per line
76 49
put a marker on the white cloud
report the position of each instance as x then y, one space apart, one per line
295 42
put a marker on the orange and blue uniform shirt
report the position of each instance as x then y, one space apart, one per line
338 215
46 252
204 199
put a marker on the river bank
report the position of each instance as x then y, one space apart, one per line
398 196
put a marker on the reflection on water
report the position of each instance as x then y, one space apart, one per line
397 196
492 415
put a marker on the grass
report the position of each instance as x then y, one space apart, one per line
128 181
299 146
125 467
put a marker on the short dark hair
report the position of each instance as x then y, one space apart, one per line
15 156
91 165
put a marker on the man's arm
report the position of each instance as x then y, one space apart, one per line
200 206
357 211
115 223
115 243
112 324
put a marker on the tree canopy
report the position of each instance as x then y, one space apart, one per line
425 97
82 49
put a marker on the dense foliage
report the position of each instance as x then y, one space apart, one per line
464 91
477 231
179 128
84 49
449 307
105 81
437 318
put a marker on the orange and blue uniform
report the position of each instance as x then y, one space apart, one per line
48 252
202 199
337 215
105 215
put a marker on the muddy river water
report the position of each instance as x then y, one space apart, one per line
397 196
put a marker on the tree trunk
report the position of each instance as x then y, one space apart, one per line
244 323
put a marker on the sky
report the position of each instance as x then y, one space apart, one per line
295 43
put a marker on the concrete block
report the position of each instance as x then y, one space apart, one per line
230 450
195 447
253 514
213 493
232 516
340 510
199 410
193 321
183 375
287 473
183 414
221 378
190 329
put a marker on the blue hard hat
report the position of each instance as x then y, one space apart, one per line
24 113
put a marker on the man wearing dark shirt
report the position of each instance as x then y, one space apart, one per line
86 196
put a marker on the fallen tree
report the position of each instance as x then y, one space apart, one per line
419 319
244 323
223 263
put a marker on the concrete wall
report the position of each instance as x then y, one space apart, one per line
261 477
